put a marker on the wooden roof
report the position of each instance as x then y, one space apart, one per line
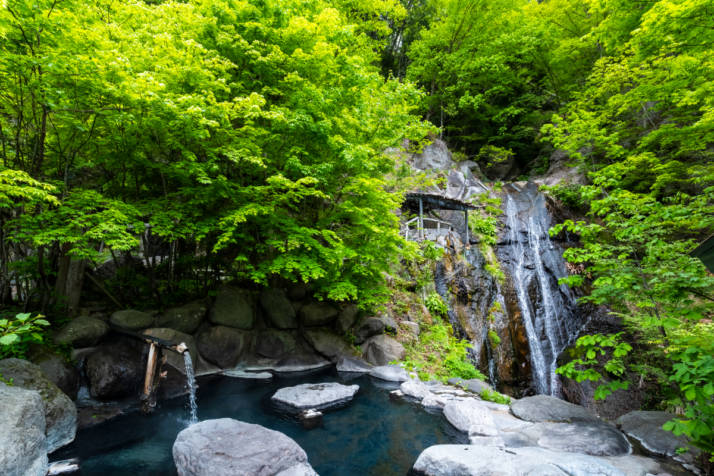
435 201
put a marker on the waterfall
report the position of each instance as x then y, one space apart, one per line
535 264
191 381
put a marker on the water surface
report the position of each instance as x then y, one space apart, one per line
373 435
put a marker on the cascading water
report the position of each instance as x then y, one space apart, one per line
535 264
191 381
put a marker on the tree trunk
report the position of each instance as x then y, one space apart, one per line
70 278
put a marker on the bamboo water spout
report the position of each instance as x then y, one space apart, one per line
151 377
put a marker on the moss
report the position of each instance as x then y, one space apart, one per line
493 338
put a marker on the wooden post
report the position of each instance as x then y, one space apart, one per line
421 218
466 223
151 362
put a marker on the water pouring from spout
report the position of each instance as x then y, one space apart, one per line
191 381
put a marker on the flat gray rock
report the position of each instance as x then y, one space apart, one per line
546 408
470 417
470 460
318 396
415 389
390 373
237 373
22 433
586 437
646 428
352 365
472 385
227 447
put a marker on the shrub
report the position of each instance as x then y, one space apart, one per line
18 333
436 305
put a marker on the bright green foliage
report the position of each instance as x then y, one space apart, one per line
493 338
694 376
436 305
495 397
642 128
586 354
437 354
248 136
494 70
17 333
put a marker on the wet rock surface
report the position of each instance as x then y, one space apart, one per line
317 396
22 432
227 447
60 414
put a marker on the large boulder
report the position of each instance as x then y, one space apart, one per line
472 460
352 365
328 343
223 345
381 350
369 327
587 437
186 318
316 396
227 447
59 371
471 417
116 370
131 320
22 432
275 344
546 408
234 308
347 318
277 308
389 373
316 314
646 428
60 412
84 331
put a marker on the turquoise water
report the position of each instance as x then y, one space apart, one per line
373 435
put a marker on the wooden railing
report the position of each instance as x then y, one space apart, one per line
419 231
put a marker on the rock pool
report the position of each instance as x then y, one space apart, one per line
373 435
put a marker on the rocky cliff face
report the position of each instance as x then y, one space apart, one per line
518 325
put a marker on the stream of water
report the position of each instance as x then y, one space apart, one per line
191 381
